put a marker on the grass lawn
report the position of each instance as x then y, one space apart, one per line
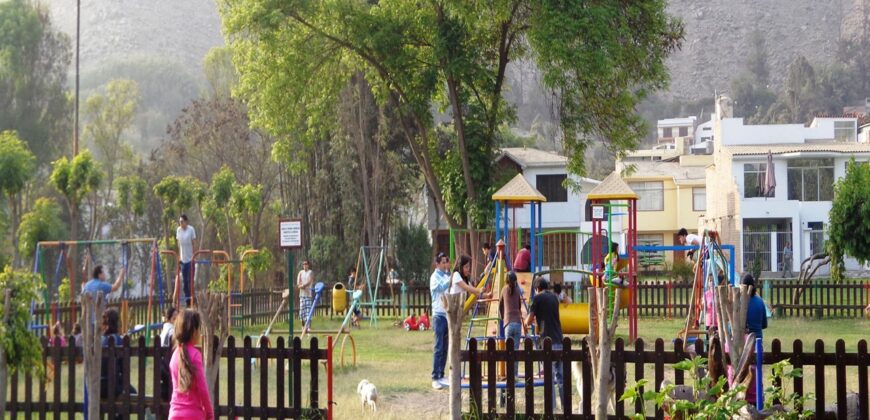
399 364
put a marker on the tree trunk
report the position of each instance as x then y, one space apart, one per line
92 309
809 267
606 332
455 315
4 368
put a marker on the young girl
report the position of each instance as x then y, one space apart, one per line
190 397
58 335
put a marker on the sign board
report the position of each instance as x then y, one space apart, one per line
598 212
290 233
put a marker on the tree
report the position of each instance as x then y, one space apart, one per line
42 223
132 200
17 165
849 227
75 180
34 61
246 207
295 57
20 349
109 114
220 72
177 195
414 251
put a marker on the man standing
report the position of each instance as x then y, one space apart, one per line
304 281
439 283
544 312
787 260
97 283
185 236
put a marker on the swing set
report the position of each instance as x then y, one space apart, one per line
64 264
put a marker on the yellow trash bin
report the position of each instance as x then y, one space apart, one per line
339 298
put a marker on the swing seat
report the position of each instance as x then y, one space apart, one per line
38 327
140 327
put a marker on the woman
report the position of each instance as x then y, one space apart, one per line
756 321
190 397
509 307
460 280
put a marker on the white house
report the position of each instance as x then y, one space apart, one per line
807 160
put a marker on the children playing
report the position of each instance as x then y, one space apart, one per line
58 335
190 397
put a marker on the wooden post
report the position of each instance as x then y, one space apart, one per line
601 339
455 315
4 368
92 313
215 330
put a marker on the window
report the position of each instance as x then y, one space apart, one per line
650 195
668 132
811 179
817 237
844 130
684 131
753 179
699 199
649 259
552 186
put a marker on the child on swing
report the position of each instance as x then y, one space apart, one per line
190 397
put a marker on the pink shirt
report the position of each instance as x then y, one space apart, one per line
711 320
195 404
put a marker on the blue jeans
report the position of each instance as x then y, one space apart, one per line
557 378
439 325
514 330
186 269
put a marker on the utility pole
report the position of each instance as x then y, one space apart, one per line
75 149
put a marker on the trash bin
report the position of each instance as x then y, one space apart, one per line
339 298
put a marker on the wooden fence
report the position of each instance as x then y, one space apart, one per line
263 390
667 299
483 376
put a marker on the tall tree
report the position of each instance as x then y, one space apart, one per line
109 114
294 58
849 231
75 180
41 223
34 61
16 168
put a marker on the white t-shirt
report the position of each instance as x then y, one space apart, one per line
454 284
185 238
303 281
168 331
693 240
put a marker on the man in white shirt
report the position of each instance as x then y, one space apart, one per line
689 239
185 236
304 281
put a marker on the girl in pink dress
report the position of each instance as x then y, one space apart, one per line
190 397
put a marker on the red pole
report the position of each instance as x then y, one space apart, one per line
329 400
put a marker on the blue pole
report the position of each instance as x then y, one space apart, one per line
497 221
759 385
533 240
540 237
506 233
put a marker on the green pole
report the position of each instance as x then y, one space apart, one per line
452 247
290 286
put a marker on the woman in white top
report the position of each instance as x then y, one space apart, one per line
459 282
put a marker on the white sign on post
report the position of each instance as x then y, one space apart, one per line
290 233
598 212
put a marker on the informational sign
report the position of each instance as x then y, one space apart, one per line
598 212
290 233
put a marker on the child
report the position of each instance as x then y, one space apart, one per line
168 330
561 293
77 334
711 319
190 397
58 335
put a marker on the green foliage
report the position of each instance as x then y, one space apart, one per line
295 58
255 263
17 163
782 372
682 269
414 252
41 223
177 194
245 203
22 347
34 61
325 251
131 192
219 71
755 269
75 179
63 290
849 228
109 113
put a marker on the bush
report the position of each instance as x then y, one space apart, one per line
414 252
326 255
22 347
682 270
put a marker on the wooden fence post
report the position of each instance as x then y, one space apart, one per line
455 315
215 330
600 344
92 310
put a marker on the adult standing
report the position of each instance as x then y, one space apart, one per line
185 236
756 323
439 282
544 312
461 280
304 282
509 308
787 255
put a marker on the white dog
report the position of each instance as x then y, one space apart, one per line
368 394
577 372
